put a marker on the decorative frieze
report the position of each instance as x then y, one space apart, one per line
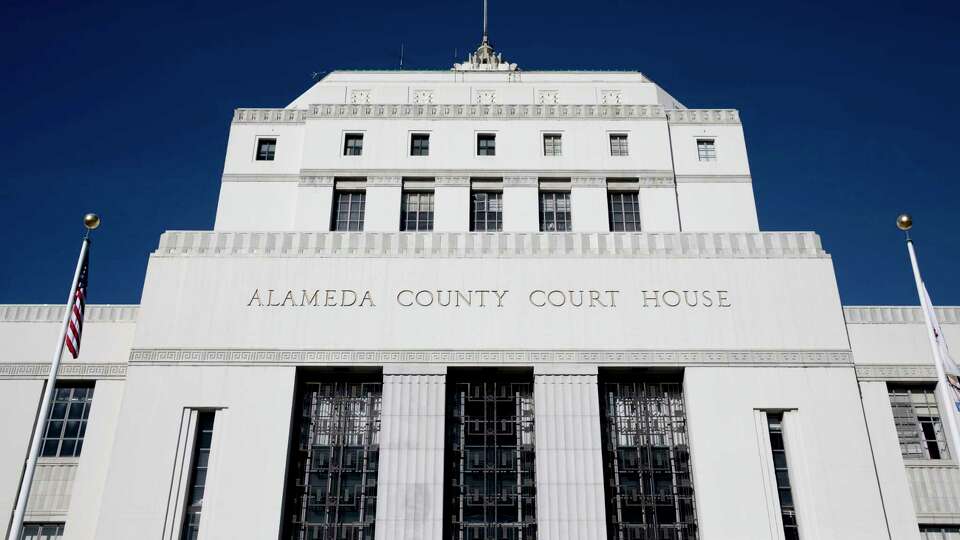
520 181
48 313
452 181
897 315
896 372
384 181
588 182
71 370
704 116
269 116
316 181
468 245
473 357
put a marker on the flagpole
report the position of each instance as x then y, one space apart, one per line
90 221
905 222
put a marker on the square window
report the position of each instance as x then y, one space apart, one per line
266 149
348 209
706 150
420 144
486 144
551 144
618 144
353 144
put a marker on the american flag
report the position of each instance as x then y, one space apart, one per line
75 328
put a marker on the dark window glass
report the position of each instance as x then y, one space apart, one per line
486 144
348 208
487 212
67 421
551 145
353 144
416 212
782 474
490 475
706 150
266 149
624 208
41 531
554 211
917 419
618 145
646 460
198 475
333 490
420 144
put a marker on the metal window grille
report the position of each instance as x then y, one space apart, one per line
917 419
487 212
486 144
552 145
417 211
706 150
353 144
646 459
618 145
420 144
348 210
491 488
554 211
624 208
781 471
41 531
198 475
335 487
266 149
67 421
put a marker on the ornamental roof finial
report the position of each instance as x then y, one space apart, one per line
485 58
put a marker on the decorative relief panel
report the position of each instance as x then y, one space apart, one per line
452 181
359 97
423 97
95 313
895 372
68 370
316 181
520 181
548 97
384 180
611 97
486 97
588 181
449 111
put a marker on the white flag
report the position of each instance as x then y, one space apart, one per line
950 368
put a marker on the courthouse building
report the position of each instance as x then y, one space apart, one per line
484 303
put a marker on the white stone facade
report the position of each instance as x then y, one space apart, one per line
749 323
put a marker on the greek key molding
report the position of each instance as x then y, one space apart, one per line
452 181
384 181
49 313
766 245
69 369
896 372
256 357
316 181
898 314
704 116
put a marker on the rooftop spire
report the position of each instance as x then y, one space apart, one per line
485 58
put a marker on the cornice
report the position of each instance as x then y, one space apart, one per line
896 372
269 116
647 178
758 245
70 370
679 358
48 313
714 179
704 116
898 314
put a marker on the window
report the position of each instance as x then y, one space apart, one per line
420 144
551 144
487 214
917 419
416 213
939 532
646 459
198 475
353 144
41 531
333 484
348 210
490 473
67 422
618 144
266 149
782 474
706 150
554 211
624 208
486 144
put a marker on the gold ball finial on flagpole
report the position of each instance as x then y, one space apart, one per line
904 222
91 221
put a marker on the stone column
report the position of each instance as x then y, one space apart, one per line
521 210
410 480
451 204
382 213
588 204
569 458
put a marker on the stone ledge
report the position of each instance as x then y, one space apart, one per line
898 314
776 245
95 313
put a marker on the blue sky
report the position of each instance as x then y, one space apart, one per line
849 109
